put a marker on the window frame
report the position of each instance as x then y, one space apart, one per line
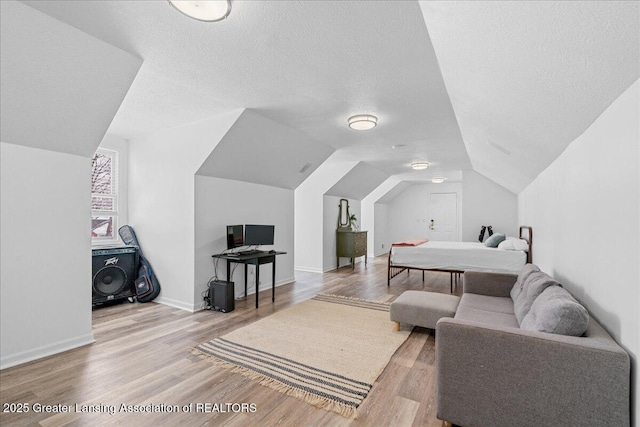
115 196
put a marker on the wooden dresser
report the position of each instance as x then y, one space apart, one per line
351 244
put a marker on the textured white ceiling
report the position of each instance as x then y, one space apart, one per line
524 78
306 64
527 77
60 87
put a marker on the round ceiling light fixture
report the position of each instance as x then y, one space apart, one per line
418 166
363 122
205 10
437 180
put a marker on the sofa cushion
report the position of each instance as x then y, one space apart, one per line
488 303
532 287
524 273
494 240
423 308
557 312
486 317
495 311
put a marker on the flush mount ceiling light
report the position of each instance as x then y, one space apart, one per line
363 122
419 165
437 180
205 10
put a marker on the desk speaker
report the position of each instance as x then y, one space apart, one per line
114 273
221 296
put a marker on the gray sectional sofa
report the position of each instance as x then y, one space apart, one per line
511 357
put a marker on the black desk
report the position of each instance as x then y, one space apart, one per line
256 259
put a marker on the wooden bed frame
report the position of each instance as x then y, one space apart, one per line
394 270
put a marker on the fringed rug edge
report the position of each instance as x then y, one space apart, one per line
346 411
354 299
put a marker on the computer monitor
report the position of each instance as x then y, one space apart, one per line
235 236
258 234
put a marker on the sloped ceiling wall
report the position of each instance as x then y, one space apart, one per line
526 78
60 87
358 182
259 150
394 192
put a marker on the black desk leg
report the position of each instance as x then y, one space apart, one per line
228 271
245 280
257 282
273 281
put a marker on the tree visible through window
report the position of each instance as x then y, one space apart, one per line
104 195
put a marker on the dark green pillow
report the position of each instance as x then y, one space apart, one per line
494 240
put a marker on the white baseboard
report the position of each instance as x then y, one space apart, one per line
46 350
251 290
309 269
177 304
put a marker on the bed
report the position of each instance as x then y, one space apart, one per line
457 257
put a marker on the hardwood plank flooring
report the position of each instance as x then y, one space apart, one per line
141 356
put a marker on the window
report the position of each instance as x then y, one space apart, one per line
104 196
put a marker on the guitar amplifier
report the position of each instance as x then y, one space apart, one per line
114 272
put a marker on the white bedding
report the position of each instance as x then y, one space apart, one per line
460 256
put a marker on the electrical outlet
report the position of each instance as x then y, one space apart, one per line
383 246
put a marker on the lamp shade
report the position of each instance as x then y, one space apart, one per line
363 122
204 10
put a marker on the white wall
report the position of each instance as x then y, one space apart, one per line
584 212
45 253
162 169
221 202
370 222
330 209
409 212
381 240
487 203
60 89
309 213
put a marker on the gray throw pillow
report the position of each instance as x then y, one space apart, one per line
533 286
557 312
524 273
494 240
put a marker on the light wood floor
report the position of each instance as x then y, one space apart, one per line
141 356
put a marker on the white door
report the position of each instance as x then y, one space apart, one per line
443 221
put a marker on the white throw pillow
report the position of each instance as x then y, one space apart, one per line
514 244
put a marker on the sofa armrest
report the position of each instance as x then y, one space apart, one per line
491 284
501 376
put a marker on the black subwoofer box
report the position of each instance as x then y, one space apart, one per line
114 272
221 296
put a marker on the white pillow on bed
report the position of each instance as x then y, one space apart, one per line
514 244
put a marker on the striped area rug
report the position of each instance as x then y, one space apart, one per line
327 351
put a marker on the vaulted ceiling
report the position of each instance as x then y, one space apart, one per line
60 87
500 87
